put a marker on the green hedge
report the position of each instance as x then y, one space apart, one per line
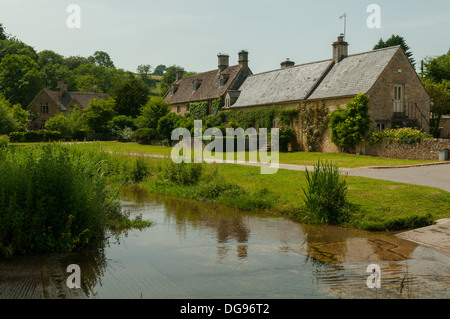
35 136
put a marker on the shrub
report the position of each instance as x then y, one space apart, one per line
51 136
144 135
33 136
17 137
404 135
125 135
350 124
182 173
4 141
326 194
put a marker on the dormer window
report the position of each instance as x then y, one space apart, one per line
174 88
196 84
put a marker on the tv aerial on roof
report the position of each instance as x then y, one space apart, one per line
345 22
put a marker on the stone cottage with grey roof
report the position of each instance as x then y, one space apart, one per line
208 86
49 103
397 96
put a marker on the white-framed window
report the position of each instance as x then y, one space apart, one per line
43 108
398 99
227 102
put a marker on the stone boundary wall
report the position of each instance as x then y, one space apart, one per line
425 150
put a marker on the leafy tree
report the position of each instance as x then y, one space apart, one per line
20 116
160 70
440 95
350 125
107 78
168 78
20 79
393 41
438 68
8 123
167 124
58 123
14 46
3 35
101 58
144 71
130 97
49 57
155 108
68 125
98 114
120 122
73 62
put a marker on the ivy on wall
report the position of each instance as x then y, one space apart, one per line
260 117
314 123
198 111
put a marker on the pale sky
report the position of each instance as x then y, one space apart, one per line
190 33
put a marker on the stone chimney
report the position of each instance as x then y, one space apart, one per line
223 61
340 49
62 86
95 87
243 58
180 74
287 64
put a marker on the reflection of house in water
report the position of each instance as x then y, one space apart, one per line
229 225
336 245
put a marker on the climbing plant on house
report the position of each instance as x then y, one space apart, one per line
350 125
198 110
314 119
260 117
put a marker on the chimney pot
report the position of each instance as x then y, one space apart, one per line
223 61
340 49
180 74
243 58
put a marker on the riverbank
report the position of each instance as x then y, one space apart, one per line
377 204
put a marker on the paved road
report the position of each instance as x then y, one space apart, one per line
435 176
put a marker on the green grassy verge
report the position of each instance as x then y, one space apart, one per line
298 158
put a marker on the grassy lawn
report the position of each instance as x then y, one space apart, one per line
299 158
380 202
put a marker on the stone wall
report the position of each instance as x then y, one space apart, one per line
425 150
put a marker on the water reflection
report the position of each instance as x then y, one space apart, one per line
199 250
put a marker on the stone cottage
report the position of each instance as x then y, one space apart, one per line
208 86
49 103
386 76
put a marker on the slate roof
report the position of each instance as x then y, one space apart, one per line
355 74
209 88
318 80
283 85
81 98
